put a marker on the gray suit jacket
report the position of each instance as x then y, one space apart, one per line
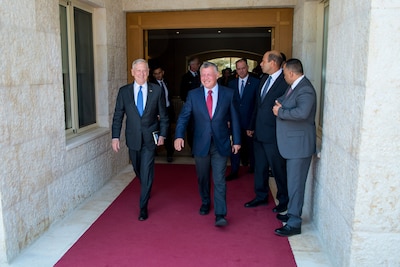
295 123
139 130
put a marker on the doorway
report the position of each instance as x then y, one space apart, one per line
171 49
278 21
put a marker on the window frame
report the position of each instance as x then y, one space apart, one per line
72 69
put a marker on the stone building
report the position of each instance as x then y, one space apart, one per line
353 188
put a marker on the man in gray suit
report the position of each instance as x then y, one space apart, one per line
296 136
144 105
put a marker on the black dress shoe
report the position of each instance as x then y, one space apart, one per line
143 214
255 203
282 218
231 176
170 159
204 209
220 221
288 231
280 208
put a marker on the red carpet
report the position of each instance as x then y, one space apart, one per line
175 234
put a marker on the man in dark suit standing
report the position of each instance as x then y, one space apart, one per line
191 79
296 133
211 106
144 106
263 129
245 87
158 78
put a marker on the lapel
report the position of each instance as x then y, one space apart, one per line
203 106
131 96
276 83
220 97
150 96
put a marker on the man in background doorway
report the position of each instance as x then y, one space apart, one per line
245 87
158 78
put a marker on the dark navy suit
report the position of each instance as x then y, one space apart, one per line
246 107
211 140
138 132
265 144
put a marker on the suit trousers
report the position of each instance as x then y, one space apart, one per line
297 171
246 153
267 156
216 164
143 165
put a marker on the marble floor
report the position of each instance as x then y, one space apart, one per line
52 245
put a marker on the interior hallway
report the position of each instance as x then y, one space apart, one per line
52 245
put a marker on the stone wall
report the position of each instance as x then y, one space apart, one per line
356 193
352 193
43 176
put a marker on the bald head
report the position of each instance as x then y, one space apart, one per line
271 62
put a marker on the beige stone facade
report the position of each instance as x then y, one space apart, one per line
353 188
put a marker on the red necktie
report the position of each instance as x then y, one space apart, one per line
209 103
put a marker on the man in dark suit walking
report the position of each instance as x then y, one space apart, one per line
245 87
211 106
296 135
263 129
144 106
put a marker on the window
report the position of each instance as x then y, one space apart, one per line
229 62
324 55
77 66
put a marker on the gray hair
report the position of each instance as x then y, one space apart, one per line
207 64
139 60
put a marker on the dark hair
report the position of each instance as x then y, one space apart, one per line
242 59
283 57
294 65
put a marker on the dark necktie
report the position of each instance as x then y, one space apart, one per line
265 89
209 103
162 85
241 89
140 101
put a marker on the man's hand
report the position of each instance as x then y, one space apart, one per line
115 144
161 140
179 143
235 149
275 109
249 133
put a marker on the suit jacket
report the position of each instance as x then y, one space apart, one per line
206 129
188 83
139 130
170 109
295 123
247 101
263 119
